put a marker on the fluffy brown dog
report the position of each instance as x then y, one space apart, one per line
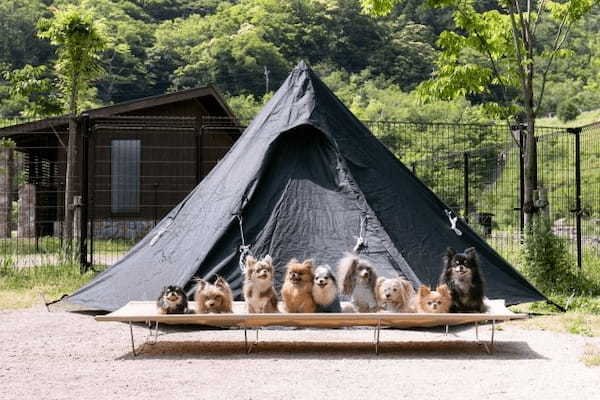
258 286
213 298
359 279
394 294
428 301
297 288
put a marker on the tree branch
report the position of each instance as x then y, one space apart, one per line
537 17
511 12
557 46
489 55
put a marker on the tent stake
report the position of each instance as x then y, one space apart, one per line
132 343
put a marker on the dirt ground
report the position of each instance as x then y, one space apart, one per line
62 355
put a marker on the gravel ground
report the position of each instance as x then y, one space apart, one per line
62 355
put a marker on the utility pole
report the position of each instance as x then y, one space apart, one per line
267 79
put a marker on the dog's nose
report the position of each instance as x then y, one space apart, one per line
387 295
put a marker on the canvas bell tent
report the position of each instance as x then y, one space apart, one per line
306 179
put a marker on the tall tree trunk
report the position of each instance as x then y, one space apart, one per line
531 170
70 172
531 178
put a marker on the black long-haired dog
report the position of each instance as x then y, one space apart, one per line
172 300
462 274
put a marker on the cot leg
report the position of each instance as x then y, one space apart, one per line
256 342
247 346
492 340
132 343
446 332
484 344
377 337
149 339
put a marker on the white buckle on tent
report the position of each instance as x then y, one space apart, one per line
161 232
453 221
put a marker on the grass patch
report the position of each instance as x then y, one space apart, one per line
591 355
573 323
586 117
21 288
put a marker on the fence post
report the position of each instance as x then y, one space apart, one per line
83 220
198 136
466 185
6 189
155 186
521 180
577 210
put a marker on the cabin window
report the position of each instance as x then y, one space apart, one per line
125 176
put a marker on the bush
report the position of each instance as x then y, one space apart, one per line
547 262
567 111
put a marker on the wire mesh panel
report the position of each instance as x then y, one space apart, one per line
32 182
590 193
139 168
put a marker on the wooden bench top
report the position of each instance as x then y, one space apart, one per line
141 311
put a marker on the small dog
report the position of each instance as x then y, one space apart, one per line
325 291
428 301
213 298
358 281
172 300
297 287
258 286
462 274
394 294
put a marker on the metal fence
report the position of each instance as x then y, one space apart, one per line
475 169
483 182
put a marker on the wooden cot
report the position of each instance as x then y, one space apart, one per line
145 311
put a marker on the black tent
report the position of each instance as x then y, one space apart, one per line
306 177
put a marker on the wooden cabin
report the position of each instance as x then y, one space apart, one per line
136 160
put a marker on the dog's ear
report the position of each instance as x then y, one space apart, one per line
249 264
310 264
221 283
424 291
250 261
443 290
331 274
373 277
471 253
450 252
200 284
378 286
347 269
268 260
407 291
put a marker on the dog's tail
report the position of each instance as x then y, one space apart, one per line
345 271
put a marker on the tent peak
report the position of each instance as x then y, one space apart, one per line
302 65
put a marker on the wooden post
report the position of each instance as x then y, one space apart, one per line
6 175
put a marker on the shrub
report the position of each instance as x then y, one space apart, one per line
548 263
567 111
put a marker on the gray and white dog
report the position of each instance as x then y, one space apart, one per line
359 279
325 290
